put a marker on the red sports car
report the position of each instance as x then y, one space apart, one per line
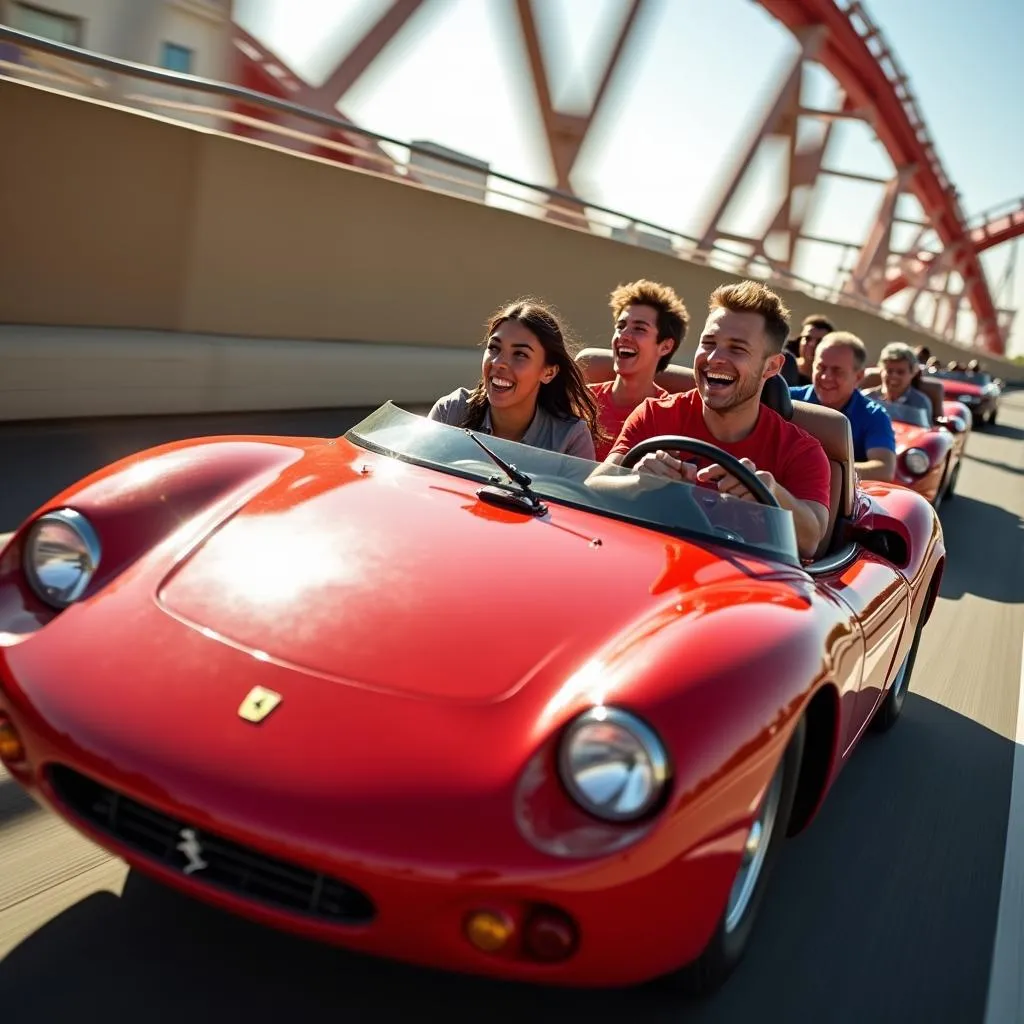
929 448
453 700
927 454
975 390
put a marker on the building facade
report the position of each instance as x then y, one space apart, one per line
188 36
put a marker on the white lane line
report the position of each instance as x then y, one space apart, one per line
1005 987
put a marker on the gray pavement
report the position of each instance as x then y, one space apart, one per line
885 910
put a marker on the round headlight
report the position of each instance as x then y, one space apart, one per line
62 553
613 765
916 461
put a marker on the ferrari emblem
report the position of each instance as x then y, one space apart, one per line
258 703
193 850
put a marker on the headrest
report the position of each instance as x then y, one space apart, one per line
790 371
872 378
775 395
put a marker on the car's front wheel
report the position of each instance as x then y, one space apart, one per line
764 842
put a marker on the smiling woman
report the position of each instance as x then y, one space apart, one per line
530 388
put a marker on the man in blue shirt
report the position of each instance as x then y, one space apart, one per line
839 363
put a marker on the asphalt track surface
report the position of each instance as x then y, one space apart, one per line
885 910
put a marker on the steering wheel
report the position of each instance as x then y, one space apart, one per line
678 443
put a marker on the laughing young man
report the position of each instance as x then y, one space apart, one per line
740 348
650 324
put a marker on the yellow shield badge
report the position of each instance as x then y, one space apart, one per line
258 703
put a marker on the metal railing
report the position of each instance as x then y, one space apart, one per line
496 188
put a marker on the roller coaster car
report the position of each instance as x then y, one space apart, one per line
977 391
929 448
442 698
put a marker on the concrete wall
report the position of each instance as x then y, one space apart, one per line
61 372
115 219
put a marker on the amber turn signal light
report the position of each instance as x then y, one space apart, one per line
11 749
488 930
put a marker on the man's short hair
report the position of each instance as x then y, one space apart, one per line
846 339
754 297
673 318
898 352
818 321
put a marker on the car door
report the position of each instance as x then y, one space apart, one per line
878 596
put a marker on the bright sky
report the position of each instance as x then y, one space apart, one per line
694 79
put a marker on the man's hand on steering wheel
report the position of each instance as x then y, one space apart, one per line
729 484
660 463
738 475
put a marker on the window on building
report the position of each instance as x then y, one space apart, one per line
176 58
61 28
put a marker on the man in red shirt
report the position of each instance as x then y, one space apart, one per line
650 324
739 349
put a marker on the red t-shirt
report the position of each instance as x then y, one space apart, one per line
612 416
794 457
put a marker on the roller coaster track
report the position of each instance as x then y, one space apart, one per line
993 227
854 52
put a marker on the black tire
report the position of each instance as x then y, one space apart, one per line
944 484
951 486
728 945
891 708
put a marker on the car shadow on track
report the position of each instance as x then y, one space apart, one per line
985 551
998 429
883 910
14 801
1003 467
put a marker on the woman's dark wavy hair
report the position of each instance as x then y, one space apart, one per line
567 394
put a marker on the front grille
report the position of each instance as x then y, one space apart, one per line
226 865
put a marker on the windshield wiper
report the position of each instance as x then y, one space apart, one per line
524 500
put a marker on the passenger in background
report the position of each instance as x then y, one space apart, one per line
530 388
839 363
900 368
650 322
813 329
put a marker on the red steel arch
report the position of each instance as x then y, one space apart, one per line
870 81
847 55
1001 224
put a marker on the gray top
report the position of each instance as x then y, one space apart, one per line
912 397
570 437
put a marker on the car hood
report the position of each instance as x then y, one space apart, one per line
397 578
960 387
910 436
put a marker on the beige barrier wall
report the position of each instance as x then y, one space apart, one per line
59 372
112 218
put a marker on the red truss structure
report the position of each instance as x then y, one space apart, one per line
837 34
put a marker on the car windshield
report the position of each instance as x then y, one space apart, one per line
903 413
981 379
672 507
